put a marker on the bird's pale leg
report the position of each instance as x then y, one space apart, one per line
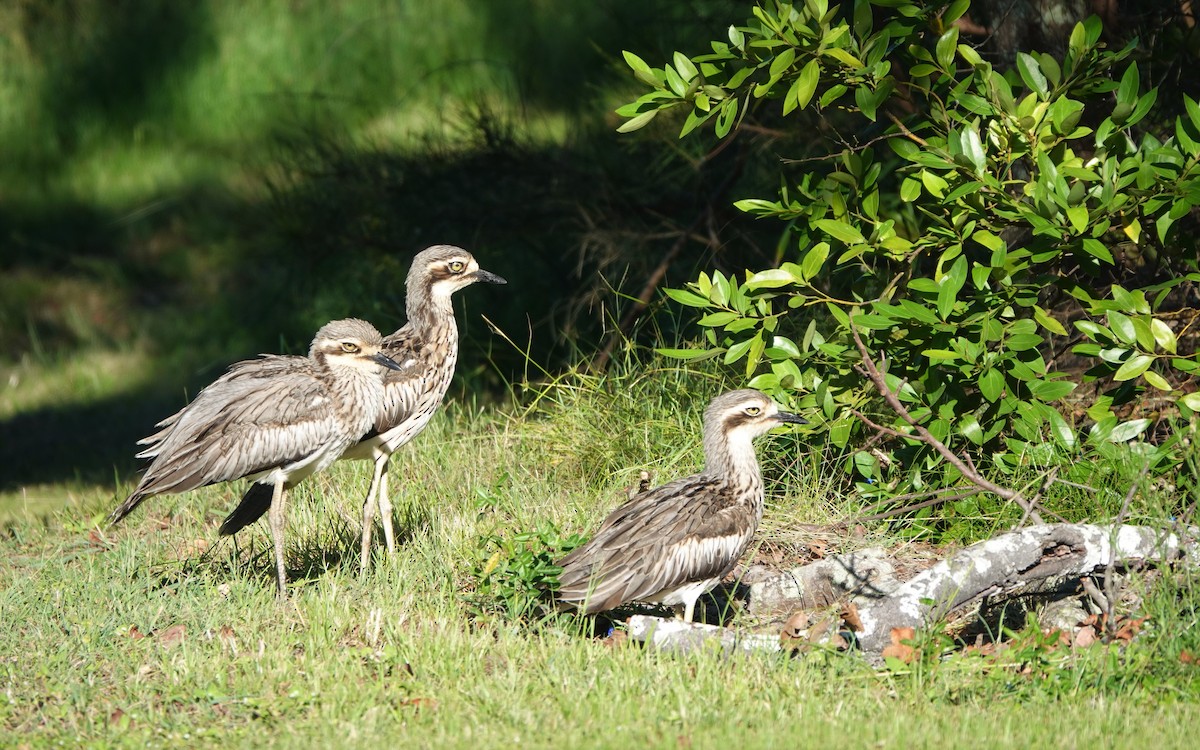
689 606
277 516
385 508
368 521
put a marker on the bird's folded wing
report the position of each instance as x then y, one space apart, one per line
683 531
265 366
241 426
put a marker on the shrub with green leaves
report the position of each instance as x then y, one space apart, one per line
978 224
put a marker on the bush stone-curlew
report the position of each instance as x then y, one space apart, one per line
671 544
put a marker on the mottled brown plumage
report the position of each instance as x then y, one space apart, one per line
276 420
427 350
671 544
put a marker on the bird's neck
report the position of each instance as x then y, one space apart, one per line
732 457
431 314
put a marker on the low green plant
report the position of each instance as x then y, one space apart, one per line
519 575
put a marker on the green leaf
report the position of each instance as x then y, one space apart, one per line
940 354
1163 335
969 427
641 70
1127 431
803 88
782 61
933 183
814 259
910 190
1045 321
840 230
1134 366
691 299
737 351
771 278
950 286
757 206
1020 342
1064 435
1050 390
1193 112
1097 249
1122 327
1078 216
1032 75
973 149
1127 92
726 116
944 50
718 319
754 355
1191 401
638 122
1156 380
991 385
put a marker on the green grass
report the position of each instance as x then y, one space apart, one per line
197 182
158 632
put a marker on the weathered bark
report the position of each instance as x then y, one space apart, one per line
1039 560
1010 564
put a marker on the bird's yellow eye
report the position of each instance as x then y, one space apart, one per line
753 411
457 266
350 347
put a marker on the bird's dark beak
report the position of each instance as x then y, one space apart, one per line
788 418
489 277
386 361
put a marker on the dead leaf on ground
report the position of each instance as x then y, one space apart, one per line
851 618
135 634
172 636
197 547
898 649
420 703
1187 657
1129 628
228 639
1085 637
819 548
795 626
615 638
95 539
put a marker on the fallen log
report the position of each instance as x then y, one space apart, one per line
1029 562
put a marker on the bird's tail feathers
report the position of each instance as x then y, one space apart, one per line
254 503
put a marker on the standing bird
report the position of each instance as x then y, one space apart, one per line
275 420
671 544
427 350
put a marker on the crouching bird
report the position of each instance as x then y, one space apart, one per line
672 544
275 420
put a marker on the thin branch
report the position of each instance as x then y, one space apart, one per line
1110 570
925 436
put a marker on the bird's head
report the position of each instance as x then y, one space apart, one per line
442 270
351 343
744 415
